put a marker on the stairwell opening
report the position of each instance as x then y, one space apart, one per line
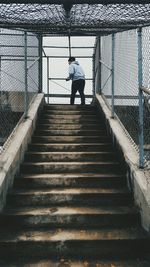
56 52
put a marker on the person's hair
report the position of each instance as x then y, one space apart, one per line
71 59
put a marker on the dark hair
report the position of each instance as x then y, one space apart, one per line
71 59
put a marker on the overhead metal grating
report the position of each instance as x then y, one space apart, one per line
77 19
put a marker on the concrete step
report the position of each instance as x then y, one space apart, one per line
72 167
77 244
71 121
75 126
69 108
67 156
71 117
69 112
70 147
70 139
70 217
70 196
63 180
36 262
60 132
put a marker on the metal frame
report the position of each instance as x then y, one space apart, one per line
61 17
26 76
48 94
141 119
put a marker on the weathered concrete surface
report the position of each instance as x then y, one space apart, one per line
139 179
13 155
71 263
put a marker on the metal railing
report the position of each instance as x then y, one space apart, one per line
55 87
19 79
122 77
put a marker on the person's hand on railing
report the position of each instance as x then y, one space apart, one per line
67 79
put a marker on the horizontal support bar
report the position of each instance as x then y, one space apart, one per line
66 47
67 56
18 46
73 2
122 97
96 28
64 79
145 90
65 95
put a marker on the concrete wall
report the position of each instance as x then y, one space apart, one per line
13 155
138 179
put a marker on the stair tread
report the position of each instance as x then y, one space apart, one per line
77 143
71 163
70 136
70 175
72 153
52 211
60 235
77 263
68 191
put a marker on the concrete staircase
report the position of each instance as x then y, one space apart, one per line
70 205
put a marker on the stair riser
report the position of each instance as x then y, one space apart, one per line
70 199
69 108
70 139
70 117
68 112
31 157
76 249
70 147
70 133
70 182
70 168
78 127
77 221
54 121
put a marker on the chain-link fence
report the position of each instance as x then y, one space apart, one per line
19 67
125 70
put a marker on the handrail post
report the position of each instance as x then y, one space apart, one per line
69 41
99 66
48 79
140 80
26 76
40 62
112 81
93 61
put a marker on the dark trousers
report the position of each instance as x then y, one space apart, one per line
78 85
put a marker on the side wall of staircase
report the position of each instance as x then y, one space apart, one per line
13 155
138 179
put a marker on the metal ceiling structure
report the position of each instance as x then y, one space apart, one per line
74 17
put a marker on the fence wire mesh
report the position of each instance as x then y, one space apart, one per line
12 79
83 18
126 91
146 84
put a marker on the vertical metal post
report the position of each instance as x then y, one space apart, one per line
26 76
40 62
0 82
140 80
112 81
99 67
69 40
94 77
48 79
